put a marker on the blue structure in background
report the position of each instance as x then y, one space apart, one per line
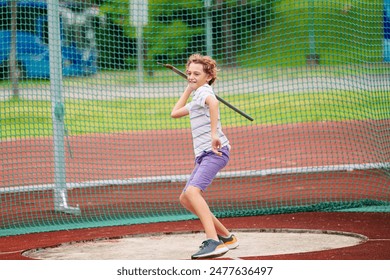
79 51
386 31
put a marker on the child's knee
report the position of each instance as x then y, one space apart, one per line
188 195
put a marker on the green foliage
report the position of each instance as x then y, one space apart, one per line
173 27
347 31
176 29
118 12
235 23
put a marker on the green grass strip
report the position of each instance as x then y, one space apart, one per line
28 118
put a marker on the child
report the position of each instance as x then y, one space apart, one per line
211 148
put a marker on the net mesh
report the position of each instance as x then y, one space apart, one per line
89 142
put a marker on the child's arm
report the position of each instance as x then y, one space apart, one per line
213 104
179 110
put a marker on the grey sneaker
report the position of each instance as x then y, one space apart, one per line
210 249
231 241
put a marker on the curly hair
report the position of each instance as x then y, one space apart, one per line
209 65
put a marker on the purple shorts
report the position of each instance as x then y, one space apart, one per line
207 165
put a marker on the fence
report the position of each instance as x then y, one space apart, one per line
86 134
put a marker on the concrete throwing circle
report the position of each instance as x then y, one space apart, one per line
182 245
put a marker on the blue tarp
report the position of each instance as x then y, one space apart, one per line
386 31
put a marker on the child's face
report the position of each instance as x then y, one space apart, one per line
196 76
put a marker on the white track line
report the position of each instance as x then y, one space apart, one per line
183 178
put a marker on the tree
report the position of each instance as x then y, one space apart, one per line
175 29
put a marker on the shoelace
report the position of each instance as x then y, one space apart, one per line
204 244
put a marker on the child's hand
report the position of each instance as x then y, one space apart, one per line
189 88
216 145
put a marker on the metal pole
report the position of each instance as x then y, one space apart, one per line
312 41
14 71
312 58
58 110
209 29
140 51
138 11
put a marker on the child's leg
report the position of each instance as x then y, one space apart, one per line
187 203
202 210
219 227
206 168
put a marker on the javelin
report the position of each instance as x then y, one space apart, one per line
177 71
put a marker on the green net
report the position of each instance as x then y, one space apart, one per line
86 134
